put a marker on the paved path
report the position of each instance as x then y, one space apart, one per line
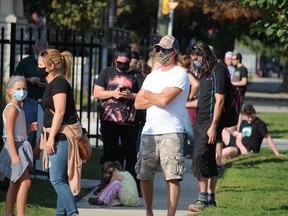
262 93
189 190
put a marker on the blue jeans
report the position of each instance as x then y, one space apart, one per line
66 202
30 108
189 135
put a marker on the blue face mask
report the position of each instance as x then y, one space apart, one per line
20 95
197 63
36 57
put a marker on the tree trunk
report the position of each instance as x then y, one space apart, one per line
284 86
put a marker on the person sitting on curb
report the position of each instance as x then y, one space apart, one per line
121 186
250 135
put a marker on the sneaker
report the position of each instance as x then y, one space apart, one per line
212 204
198 205
94 201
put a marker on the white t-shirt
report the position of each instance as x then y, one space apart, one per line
168 119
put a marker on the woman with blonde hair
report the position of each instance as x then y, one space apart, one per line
60 147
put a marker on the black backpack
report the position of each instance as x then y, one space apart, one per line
231 108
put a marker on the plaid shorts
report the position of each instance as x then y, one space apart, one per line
164 149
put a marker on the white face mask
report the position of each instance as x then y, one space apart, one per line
20 95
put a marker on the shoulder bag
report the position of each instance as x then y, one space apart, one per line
84 144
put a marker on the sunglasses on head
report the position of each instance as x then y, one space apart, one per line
162 50
44 53
191 49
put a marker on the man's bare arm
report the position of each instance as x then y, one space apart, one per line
164 97
218 107
140 101
242 82
240 145
272 144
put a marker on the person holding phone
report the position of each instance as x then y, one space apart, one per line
116 87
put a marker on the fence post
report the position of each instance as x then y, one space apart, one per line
12 48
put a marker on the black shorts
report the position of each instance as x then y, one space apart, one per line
204 161
232 143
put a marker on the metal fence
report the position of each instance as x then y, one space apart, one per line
91 53
17 43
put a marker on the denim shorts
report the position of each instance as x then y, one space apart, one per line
164 149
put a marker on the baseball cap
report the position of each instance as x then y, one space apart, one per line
168 42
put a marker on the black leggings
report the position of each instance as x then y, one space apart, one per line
116 151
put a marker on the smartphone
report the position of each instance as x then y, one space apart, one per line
123 89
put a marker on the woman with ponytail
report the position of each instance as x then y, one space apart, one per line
61 154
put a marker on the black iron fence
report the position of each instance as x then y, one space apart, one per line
91 53
15 44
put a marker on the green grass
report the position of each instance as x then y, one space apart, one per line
42 197
252 185
277 124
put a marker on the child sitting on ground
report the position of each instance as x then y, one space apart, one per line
249 137
121 185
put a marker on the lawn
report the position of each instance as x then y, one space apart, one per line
42 198
277 124
252 185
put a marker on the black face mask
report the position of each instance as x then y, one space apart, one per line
123 66
42 73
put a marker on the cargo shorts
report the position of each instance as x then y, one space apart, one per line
164 149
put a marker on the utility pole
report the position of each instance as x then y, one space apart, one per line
162 20
112 13
172 6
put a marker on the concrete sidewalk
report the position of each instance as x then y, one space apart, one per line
189 191
262 93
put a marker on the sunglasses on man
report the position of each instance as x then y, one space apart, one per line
163 50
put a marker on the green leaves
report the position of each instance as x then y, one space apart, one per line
269 31
273 22
78 15
280 32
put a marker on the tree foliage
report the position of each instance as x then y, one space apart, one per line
140 17
273 22
217 22
222 10
77 14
